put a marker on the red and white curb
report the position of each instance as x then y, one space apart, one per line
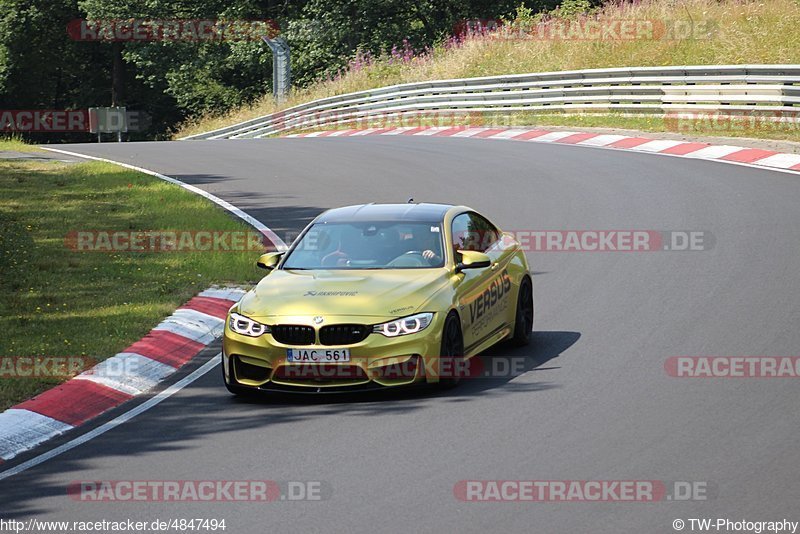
722 153
132 372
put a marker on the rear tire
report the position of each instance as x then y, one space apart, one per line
523 325
452 353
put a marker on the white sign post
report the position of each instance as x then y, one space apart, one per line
108 120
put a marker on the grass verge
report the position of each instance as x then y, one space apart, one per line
58 302
16 144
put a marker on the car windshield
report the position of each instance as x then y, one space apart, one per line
368 245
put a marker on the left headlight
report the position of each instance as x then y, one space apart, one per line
246 326
406 325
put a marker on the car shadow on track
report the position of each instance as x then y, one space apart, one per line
188 420
492 372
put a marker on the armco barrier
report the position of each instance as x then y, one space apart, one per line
744 89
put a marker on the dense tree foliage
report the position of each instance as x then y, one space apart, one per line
41 67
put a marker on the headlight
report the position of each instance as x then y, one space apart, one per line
245 326
407 325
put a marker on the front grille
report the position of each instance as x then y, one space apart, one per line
343 334
290 334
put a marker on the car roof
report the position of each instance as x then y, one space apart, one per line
423 212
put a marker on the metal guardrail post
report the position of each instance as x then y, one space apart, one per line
281 67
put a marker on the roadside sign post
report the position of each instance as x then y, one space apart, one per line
108 120
281 67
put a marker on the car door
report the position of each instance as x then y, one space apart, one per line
483 293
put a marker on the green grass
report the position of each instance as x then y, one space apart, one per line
739 32
16 144
55 301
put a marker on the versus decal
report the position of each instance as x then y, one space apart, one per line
486 302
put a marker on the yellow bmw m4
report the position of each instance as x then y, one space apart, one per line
377 296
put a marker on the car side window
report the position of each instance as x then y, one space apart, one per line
485 232
460 232
473 232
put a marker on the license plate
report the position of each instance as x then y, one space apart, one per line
318 355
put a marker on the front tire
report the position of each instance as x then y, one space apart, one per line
451 355
523 325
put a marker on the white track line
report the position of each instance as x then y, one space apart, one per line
249 219
117 421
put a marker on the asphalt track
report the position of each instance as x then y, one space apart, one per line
595 402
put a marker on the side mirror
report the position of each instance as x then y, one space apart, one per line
269 260
472 259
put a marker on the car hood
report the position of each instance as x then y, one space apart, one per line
380 294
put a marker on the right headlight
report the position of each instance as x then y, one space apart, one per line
246 326
406 325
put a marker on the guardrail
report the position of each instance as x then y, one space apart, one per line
736 89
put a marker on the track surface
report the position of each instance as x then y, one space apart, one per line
595 403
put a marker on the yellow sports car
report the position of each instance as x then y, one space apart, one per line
379 295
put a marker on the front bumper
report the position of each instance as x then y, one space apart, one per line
375 363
